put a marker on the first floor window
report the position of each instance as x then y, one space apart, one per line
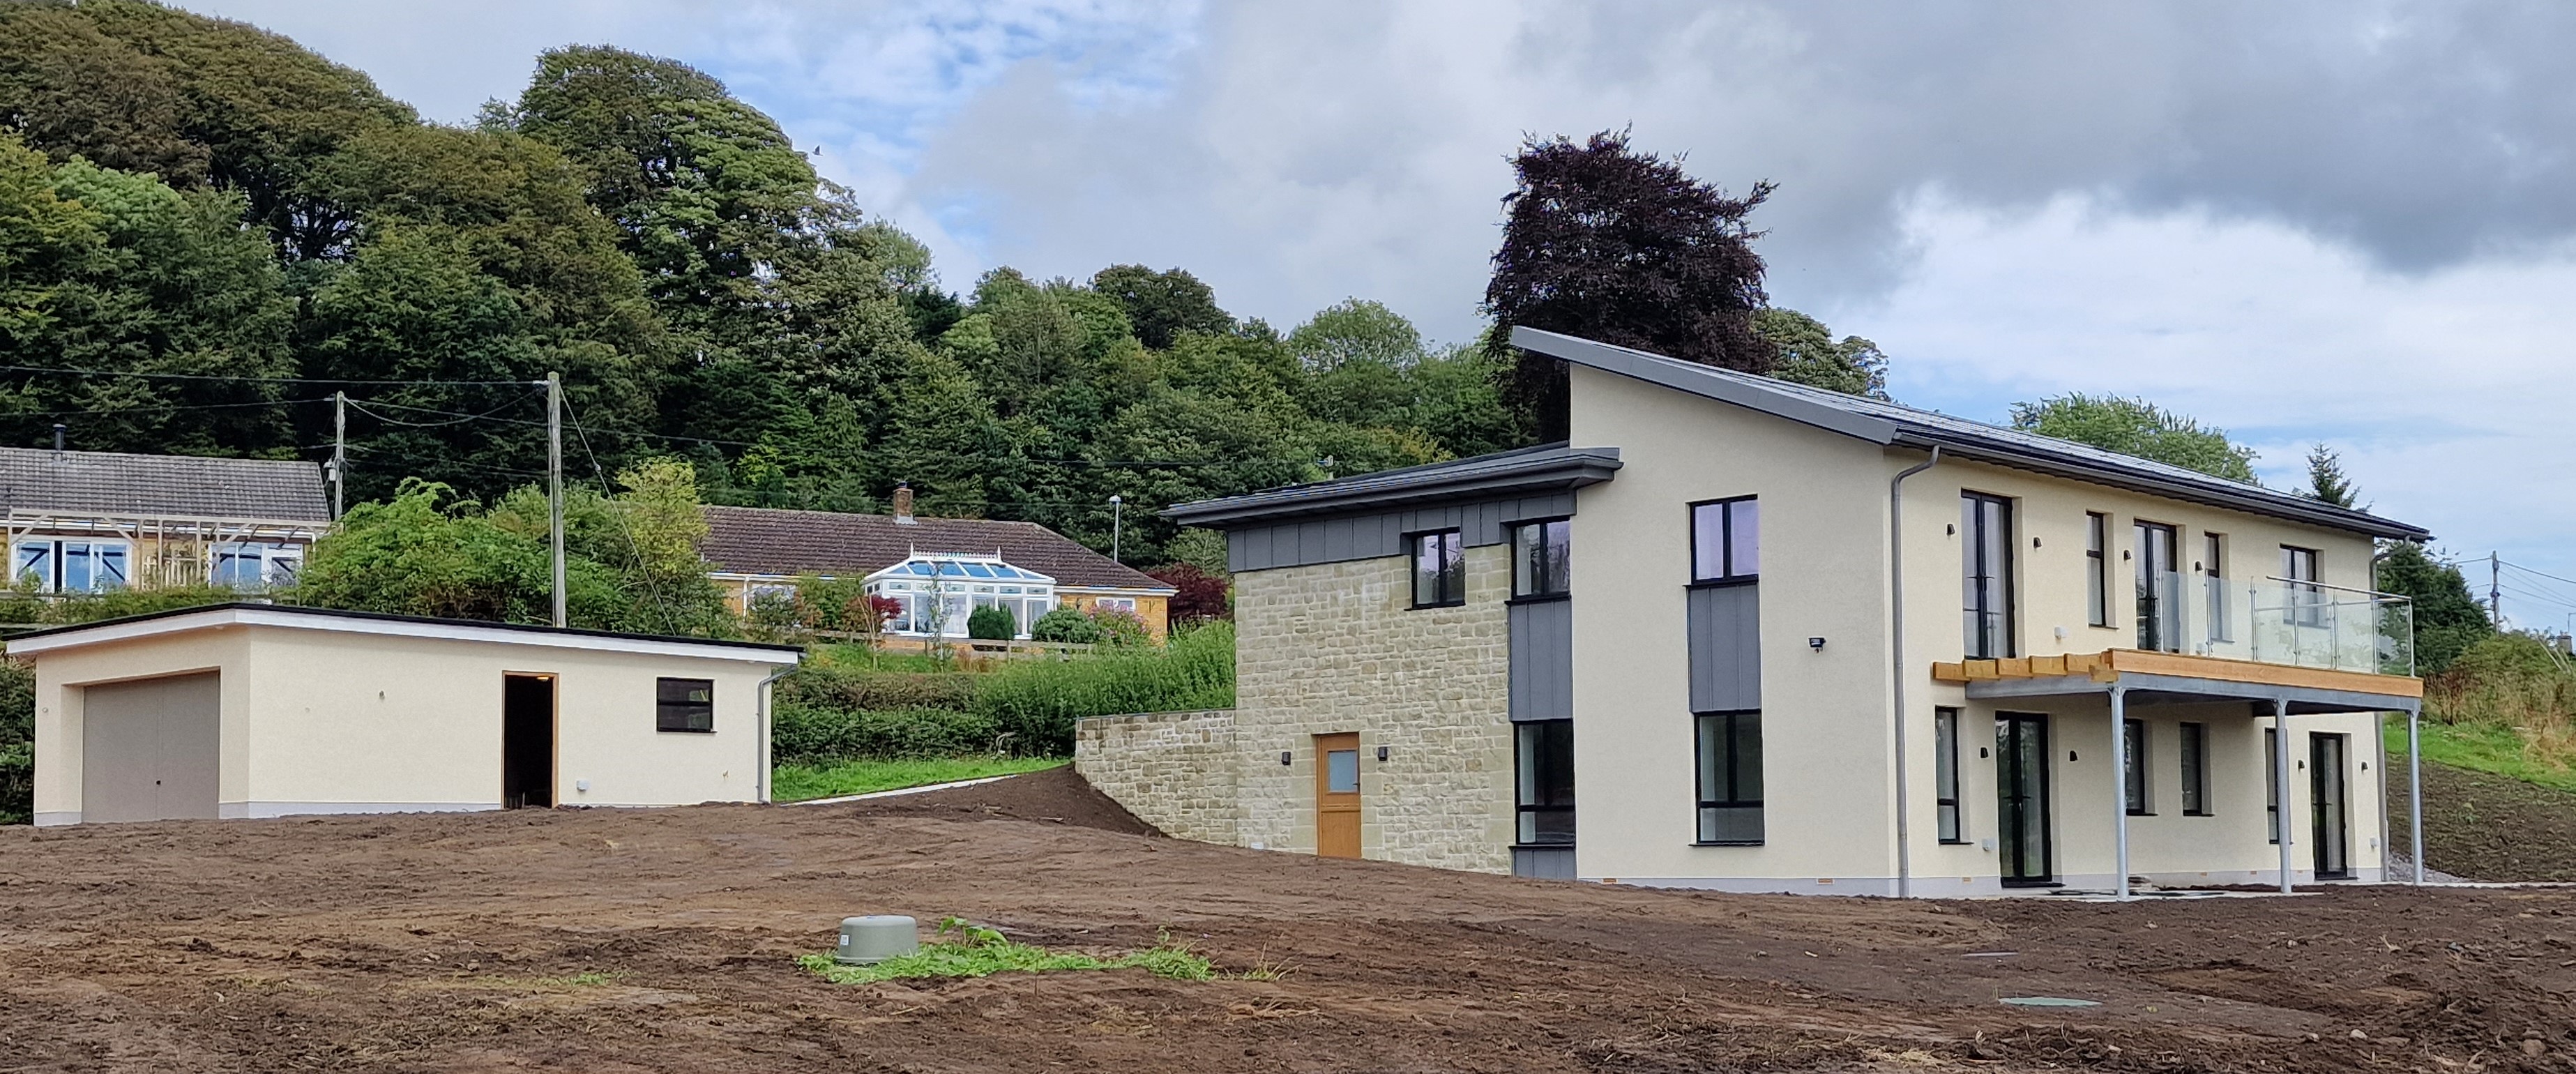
684 705
1544 758
1539 558
2097 569
71 566
2133 780
2194 750
2213 572
1945 772
1986 564
2307 602
1439 569
1726 540
1730 777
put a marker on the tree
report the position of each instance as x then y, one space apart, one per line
2137 427
2448 619
1162 305
1203 595
1809 355
2326 480
1624 247
1355 330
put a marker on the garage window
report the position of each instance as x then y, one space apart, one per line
685 705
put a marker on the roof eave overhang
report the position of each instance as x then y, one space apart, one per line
1682 376
2322 515
1558 474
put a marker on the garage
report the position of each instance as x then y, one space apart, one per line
243 711
149 748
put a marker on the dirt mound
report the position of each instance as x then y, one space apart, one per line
2488 827
665 939
1052 796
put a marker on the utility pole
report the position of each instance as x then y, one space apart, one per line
339 451
1117 513
2495 593
554 485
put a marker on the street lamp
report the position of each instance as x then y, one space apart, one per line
1116 515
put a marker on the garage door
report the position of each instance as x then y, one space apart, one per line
149 749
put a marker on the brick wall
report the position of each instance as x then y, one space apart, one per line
1335 648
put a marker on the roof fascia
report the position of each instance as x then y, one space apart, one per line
212 618
2252 501
1550 474
1685 377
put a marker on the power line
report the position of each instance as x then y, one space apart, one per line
455 419
236 377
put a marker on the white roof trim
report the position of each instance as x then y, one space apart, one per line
214 618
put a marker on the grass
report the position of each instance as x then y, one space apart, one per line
2480 747
796 783
975 951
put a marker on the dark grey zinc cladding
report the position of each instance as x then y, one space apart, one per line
1726 648
1299 542
1543 660
1544 863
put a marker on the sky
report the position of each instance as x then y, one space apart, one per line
2350 222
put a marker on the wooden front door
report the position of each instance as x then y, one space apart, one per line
1337 796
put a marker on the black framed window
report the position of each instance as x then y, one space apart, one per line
1726 540
1543 755
1539 552
2213 581
2193 748
2097 565
2159 588
1730 778
2272 785
684 705
1986 559
2133 780
1439 569
1945 773
2307 602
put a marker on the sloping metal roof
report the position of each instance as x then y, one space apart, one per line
1546 468
1894 424
773 541
182 486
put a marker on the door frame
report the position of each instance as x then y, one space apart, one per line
2320 776
1325 746
2009 815
554 735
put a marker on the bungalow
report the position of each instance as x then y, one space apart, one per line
84 521
1814 643
937 569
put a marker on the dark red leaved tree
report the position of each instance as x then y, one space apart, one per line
1202 595
1607 243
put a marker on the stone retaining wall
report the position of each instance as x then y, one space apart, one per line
1174 770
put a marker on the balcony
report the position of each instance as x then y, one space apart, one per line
2291 623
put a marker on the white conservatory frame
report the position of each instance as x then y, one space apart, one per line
939 591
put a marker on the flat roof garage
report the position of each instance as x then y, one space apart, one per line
256 710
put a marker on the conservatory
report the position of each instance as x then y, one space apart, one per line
936 593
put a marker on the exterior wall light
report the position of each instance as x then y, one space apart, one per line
1287 757
1381 753
1817 644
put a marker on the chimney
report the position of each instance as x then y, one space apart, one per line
58 439
902 502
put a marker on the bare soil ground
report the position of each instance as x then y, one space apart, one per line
2488 827
461 942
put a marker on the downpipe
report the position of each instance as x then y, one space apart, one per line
1896 637
760 777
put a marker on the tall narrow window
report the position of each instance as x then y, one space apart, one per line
1539 558
2272 784
2307 602
1945 773
684 705
1730 778
1544 757
2159 590
2213 582
1439 569
1986 558
2097 569
1726 540
2194 751
2133 779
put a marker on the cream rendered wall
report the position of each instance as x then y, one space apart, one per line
329 721
1826 738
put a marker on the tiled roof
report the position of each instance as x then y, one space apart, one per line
111 482
761 540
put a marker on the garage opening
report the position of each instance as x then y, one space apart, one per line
527 741
150 749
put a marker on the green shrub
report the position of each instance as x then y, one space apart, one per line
830 687
17 741
1037 701
805 734
1066 624
991 624
1120 627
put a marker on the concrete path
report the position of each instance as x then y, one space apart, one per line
906 790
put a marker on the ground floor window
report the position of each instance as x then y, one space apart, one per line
1543 758
2133 779
252 565
684 705
71 566
1730 778
2194 750
2272 784
1945 772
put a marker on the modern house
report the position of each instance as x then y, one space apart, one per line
938 569
1746 635
84 521
257 710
